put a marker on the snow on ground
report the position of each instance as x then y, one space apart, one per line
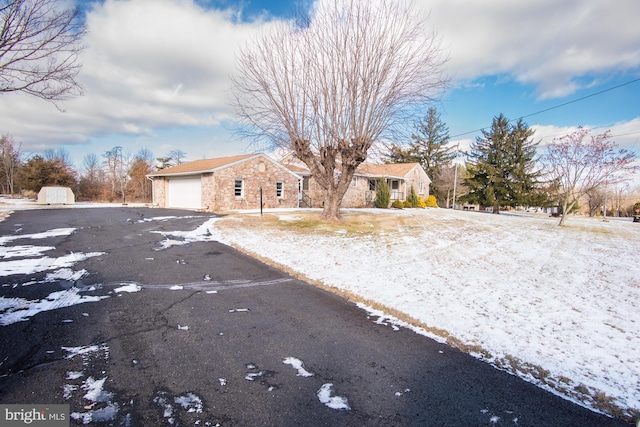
14 310
556 305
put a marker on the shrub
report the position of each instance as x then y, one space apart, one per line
431 202
398 204
412 199
421 203
383 194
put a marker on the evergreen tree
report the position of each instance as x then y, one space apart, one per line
501 167
383 194
428 147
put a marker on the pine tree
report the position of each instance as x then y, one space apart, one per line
383 194
428 147
501 168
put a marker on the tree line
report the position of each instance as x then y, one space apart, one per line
116 175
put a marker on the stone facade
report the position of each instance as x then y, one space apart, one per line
159 187
246 177
254 175
362 191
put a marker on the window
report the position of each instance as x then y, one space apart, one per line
395 184
421 191
353 181
279 189
305 183
239 188
372 185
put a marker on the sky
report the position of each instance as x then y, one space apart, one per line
156 73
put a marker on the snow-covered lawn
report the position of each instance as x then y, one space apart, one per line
558 306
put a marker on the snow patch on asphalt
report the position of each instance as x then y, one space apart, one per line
128 288
178 238
298 365
23 251
14 310
35 265
56 232
326 397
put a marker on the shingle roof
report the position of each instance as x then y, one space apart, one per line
199 166
398 170
393 169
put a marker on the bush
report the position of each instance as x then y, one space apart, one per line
398 204
421 203
407 204
412 199
383 194
431 202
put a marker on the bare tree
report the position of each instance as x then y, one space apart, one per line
39 48
580 163
177 157
596 198
328 86
93 183
117 164
9 161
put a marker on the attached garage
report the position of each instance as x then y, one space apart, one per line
246 181
184 192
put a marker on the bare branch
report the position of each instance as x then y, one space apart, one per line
39 49
328 86
580 163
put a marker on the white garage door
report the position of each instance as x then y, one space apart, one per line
185 193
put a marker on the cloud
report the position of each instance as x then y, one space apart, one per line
148 65
626 134
556 46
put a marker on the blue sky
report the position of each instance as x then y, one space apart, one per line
156 73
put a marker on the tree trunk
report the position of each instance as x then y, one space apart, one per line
566 207
331 210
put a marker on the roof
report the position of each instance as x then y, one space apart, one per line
399 170
201 166
392 170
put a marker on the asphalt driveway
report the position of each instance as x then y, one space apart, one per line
132 322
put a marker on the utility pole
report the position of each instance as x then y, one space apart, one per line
455 176
604 208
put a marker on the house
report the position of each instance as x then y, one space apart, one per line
362 192
226 183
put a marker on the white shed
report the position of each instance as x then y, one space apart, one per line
56 196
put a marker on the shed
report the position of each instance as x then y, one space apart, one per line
56 196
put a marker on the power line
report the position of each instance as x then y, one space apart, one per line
557 106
